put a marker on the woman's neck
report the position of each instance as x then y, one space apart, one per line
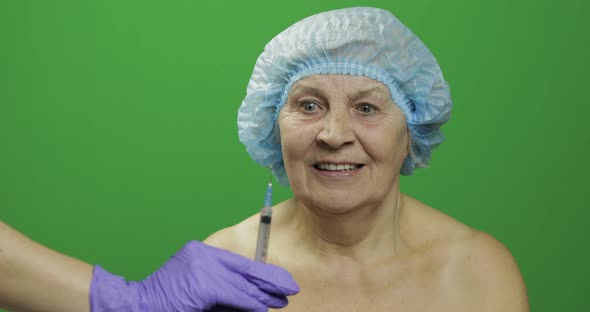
363 233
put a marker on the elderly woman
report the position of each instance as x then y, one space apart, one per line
340 104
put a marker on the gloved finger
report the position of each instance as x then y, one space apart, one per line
276 302
224 309
272 279
279 303
269 299
233 297
240 284
268 277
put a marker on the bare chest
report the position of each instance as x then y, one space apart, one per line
376 290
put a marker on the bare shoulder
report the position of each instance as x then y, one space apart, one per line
239 238
480 270
488 273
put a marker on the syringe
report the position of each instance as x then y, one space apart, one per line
264 227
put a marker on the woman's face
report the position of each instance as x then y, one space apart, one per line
343 141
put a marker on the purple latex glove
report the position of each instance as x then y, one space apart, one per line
198 278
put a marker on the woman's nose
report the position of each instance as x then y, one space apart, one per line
336 130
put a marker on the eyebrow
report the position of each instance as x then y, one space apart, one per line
307 89
364 93
318 92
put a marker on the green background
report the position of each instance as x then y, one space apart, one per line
118 138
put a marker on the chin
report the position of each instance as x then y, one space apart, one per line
336 202
340 196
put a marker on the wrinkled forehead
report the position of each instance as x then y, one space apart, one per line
349 85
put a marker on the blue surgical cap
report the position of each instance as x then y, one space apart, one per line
357 41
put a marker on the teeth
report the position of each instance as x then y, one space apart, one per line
337 167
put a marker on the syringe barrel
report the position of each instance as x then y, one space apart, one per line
263 234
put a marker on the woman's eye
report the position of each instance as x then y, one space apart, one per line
366 109
309 107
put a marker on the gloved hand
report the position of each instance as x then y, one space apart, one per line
198 278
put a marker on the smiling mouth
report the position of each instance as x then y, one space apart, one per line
337 167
